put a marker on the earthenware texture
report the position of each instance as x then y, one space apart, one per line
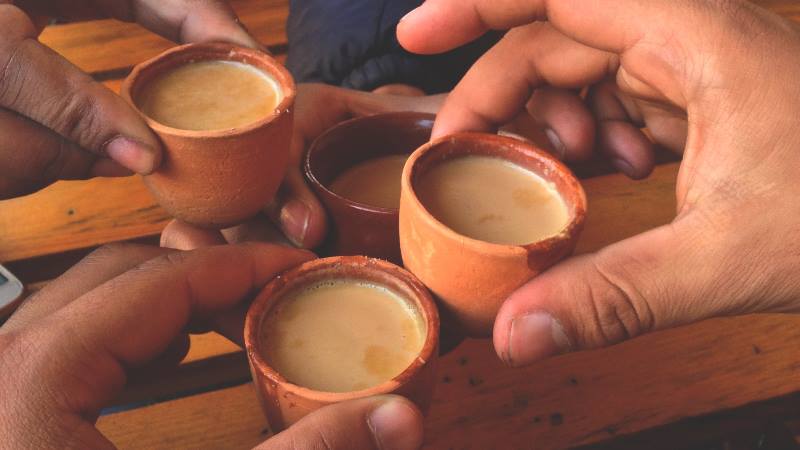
285 403
471 278
218 178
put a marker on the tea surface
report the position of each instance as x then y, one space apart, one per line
492 200
375 182
210 95
342 336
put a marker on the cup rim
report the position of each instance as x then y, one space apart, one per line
316 183
577 216
271 293
212 51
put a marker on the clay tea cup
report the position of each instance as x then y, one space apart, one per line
289 329
471 277
219 177
360 228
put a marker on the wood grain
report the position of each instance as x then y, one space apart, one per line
697 377
69 215
109 46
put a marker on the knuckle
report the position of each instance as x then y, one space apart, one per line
163 262
616 310
176 258
77 118
320 438
118 253
14 74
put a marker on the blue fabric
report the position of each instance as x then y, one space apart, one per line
352 43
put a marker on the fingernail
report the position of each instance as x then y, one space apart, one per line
535 336
624 167
395 425
132 154
294 218
555 141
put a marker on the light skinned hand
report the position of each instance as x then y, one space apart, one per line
715 79
70 348
56 122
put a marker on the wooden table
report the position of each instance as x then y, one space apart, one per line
695 383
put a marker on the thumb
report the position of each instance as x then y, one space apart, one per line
656 280
385 422
39 84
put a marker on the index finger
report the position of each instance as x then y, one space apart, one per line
132 318
610 25
487 97
187 20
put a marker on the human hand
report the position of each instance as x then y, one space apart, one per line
55 121
318 107
70 347
716 79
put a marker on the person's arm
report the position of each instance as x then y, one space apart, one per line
70 347
714 79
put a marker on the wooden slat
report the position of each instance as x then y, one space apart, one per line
104 46
191 423
679 375
68 215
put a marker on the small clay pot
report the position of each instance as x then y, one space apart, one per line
361 229
285 403
472 278
218 178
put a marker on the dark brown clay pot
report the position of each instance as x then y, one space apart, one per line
218 178
471 278
360 229
285 403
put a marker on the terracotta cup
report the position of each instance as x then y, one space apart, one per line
360 229
285 403
471 278
218 178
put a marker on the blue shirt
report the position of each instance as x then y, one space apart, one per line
353 44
